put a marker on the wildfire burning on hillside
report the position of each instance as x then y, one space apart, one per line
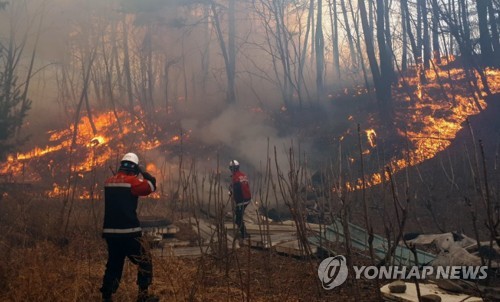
431 115
428 115
84 150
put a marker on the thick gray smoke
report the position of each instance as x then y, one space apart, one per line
248 136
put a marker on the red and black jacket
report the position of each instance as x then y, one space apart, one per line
121 193
240 188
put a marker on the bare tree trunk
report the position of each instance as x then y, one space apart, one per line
303 53
86 70
109 81
382 76
278 39
466 51
349 35
168 65
435 32
404 51
420 41
141 86
89 112
150 87
388 38
313 32
205 56
85 93
335 36
484 33
225 54
68 90
115 60
89 50
231 94
126 67
320 52
386 72
415 46
495 37
452 9
465 26
146 85
282 38
370 51
418 29
184 72
425 36
25 102
371 15
96 83
358 47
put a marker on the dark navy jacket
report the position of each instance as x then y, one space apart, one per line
121 193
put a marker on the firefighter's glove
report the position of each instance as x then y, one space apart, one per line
149 177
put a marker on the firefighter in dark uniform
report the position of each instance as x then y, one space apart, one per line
240 191
122 230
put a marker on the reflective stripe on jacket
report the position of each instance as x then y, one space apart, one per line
121 193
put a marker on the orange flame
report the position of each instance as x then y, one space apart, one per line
88 149
439 120
371 135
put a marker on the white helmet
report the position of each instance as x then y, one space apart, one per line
131 157
234 165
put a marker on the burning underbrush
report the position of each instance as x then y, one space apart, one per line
427 118
94 146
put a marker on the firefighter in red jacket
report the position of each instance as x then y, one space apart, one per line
240 191
122 230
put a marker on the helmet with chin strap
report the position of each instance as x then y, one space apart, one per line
234 165
130 163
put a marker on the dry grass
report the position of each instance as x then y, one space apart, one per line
40 264
47 271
